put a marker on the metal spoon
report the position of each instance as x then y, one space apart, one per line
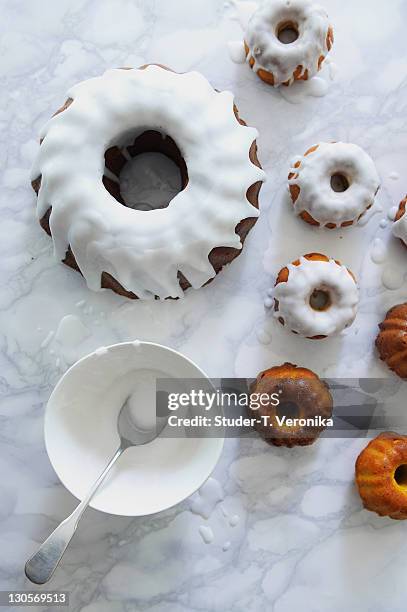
40 567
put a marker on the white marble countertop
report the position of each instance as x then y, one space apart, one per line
302 540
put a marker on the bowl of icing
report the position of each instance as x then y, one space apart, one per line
81 431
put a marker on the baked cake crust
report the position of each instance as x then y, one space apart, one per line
381 475
298 388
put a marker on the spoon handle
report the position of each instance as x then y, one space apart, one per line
40 567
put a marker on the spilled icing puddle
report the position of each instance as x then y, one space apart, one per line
300 90
205 501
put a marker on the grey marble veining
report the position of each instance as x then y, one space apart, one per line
302 540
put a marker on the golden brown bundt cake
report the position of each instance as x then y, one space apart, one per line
303 395
381 475
392 340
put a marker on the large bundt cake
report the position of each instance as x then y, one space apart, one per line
105 122
303 396
392 340
381 475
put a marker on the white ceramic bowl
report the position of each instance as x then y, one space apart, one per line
81 433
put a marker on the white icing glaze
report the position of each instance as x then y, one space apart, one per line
378 253
392 212
264 335
142 399
372 212
394 176
206 534
294 298
233 520
47 339
145 250
392 278
270 54
237 51
301 90
313 177
206 499
399 227
71 331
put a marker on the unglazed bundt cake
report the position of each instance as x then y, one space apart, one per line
107 120
315 296
392 340
381 475
304 399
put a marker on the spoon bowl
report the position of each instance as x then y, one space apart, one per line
43 563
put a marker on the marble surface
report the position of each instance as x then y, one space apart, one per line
299 538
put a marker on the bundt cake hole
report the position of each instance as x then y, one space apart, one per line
320 300
155 173
287 409
339 182
149 181
400 476
287 32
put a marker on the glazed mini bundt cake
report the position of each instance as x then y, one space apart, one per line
287 41
400 222
381 475
391 341
315 296
333 184
105 122
303 395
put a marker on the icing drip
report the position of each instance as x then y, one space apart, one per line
272 55
145 250
394 176
400 226
301 90
206 534
313 177
207 498
294 298
237 51
378 253
392 278
391 214
71 331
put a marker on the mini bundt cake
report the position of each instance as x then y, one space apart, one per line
391 341
287 41
315 296
381 475
400 222
333 184
304 398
